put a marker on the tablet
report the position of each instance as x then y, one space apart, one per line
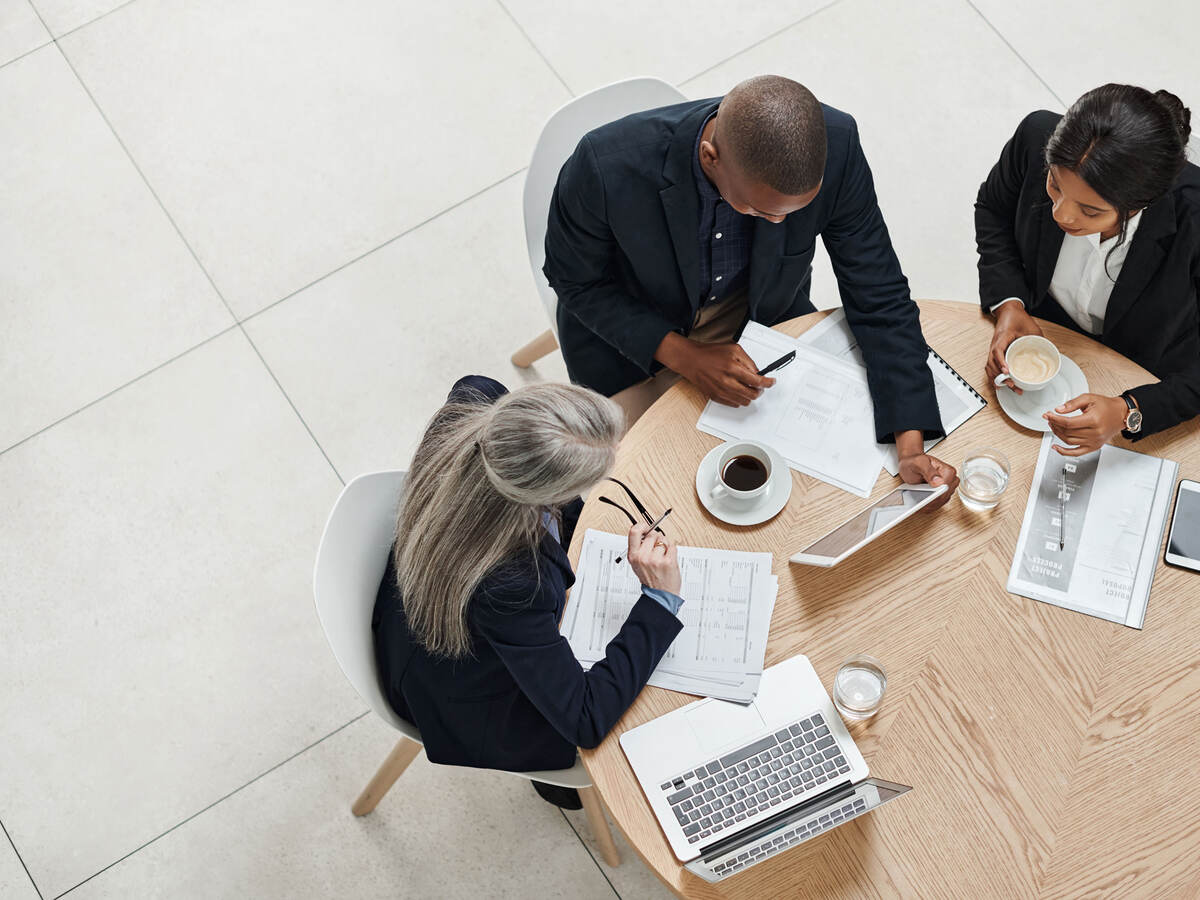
869 524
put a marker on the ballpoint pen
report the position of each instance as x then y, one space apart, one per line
649 530
778 364
1062 509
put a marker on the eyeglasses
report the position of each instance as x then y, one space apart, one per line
637 504
651 521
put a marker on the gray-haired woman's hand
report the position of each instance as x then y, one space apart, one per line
654 559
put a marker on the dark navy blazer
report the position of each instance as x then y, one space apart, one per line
622 256
520 701
1153 314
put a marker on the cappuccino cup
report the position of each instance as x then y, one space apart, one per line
1032 362
743 474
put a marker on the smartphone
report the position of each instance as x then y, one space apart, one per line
1183 543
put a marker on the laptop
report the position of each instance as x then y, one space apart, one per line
733 785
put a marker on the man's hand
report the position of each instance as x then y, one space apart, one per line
1012 322
918 467
1101 420
722 371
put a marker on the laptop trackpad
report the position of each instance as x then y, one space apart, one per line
719 724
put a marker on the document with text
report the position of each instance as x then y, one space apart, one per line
818 416
729 597
1092 529
957 400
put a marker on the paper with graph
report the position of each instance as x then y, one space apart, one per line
729 597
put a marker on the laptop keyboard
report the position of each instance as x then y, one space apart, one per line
773 844
758 777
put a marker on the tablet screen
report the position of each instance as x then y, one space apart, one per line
872 520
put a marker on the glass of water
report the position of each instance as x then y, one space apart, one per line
858 687
984 478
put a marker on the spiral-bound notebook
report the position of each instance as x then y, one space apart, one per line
957 400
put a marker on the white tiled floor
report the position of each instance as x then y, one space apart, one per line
247 247
20 30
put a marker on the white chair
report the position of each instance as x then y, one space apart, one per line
560 135
350 563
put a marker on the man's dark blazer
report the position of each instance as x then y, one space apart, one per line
1153 315
520 702
622 254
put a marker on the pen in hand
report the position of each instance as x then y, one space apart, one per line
778 364
649 530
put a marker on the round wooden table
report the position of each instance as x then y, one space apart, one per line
1053 754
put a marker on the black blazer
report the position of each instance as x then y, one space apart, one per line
520 702
1153 314
622 254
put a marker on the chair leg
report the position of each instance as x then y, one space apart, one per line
542 345
393 767
594 807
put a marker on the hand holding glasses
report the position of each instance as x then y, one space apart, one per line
653 523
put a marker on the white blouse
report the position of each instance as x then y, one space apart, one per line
1080 283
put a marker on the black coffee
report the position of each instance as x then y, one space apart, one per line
744 473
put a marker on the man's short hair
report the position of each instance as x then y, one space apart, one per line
774 130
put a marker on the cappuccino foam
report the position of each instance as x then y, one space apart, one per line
1032 364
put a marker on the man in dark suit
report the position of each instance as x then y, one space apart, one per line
669 229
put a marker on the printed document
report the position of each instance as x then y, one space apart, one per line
818 416
1116 504
957 401
729 597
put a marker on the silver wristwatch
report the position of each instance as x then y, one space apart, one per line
1133 419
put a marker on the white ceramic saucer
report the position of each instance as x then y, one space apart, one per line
767 507
1026 409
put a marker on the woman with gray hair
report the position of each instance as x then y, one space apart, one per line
466 619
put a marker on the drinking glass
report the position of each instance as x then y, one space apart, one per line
858 687
984 478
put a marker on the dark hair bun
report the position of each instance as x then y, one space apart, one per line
1180 114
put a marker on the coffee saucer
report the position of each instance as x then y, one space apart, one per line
766 508
1026 409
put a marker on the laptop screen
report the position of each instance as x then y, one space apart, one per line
793 827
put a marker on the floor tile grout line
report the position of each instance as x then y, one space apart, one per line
536 48
166 362
22 861
255 314
200 265
286 397
27 53
588 851
762 40
378 247
1015 53
219 800
103 15
146 181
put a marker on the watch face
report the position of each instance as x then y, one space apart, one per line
1134 422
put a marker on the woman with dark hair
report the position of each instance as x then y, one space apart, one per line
1092 220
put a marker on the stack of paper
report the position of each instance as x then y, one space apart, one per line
957 401
728 596
818 416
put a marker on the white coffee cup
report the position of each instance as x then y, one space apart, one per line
739 492
1032 362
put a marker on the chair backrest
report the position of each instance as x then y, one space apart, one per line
559 137
351 560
